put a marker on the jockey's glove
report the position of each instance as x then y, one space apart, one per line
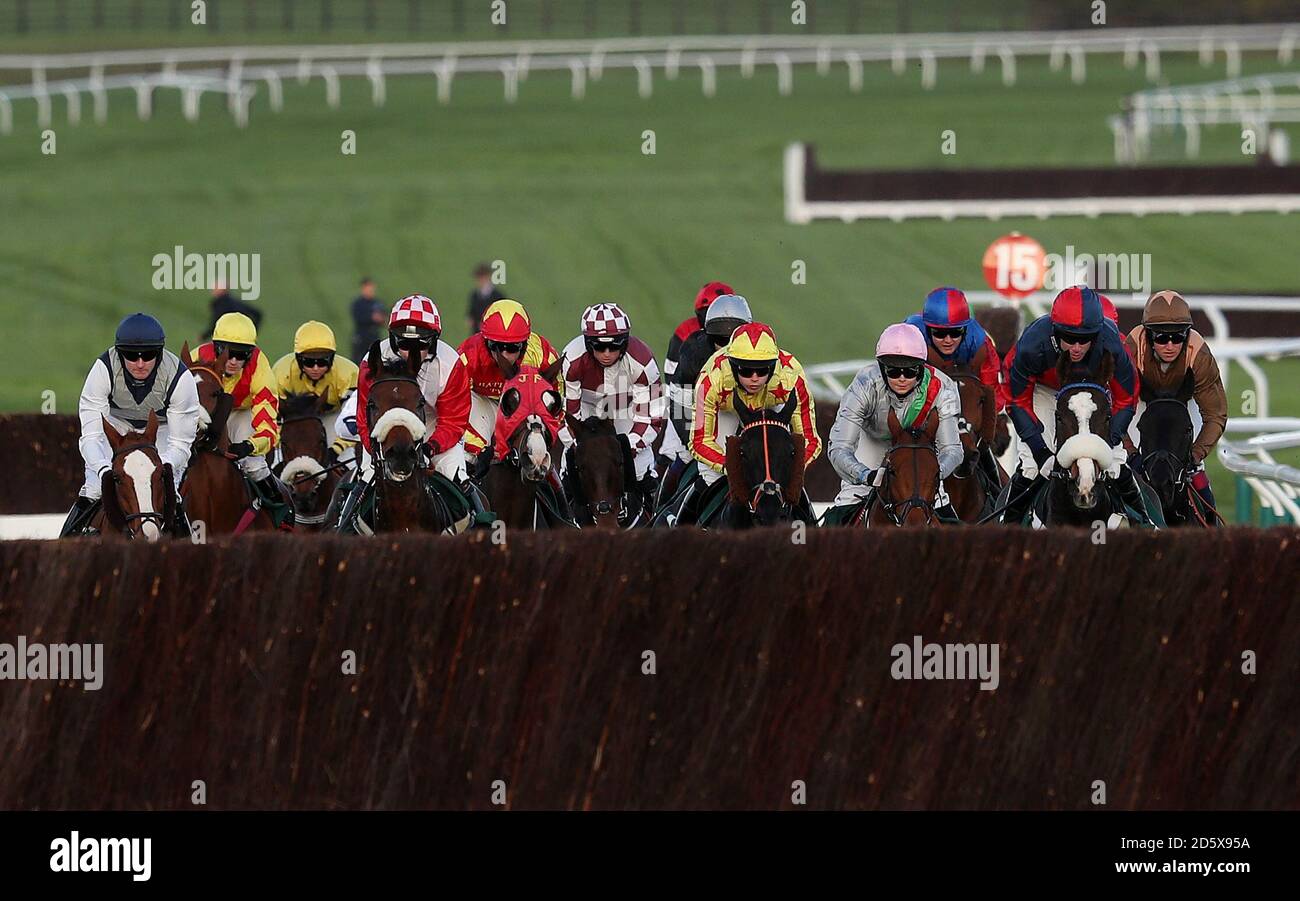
1041 455
434 449
241 449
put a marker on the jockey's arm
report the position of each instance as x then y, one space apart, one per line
947 439
991 374
804 421
1020 387
705 446
647 411
571 388
283 373
93 404
850 422
1124 395
182 421
265 409
452 409
548 363
1212 400
363 394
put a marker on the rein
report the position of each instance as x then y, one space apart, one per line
916 501
769 485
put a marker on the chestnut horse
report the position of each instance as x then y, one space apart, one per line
518 477
214 489
139 500
304 447
911 480
970 488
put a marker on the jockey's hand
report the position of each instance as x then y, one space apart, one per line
241 449
1119 456
331 456
872 478
1041 456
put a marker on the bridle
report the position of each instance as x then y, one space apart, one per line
513 456
421 408
606 506
320 479
769 486
898 511
159 519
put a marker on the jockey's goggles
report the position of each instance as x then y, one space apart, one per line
507 347
1177 337
306 362
752 370
239 352
135 354
415 342
948 332
618 344
1074 338
902 372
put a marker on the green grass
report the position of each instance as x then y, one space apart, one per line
561 192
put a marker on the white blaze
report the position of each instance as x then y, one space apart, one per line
140 468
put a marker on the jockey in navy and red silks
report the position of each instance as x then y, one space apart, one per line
955 339
1078 331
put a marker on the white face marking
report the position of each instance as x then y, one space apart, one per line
140 468
1083 406
205 418
536 445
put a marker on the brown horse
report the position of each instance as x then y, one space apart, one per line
214 489
600 473
911 481
139 500
404 500
306 470
969 486
519 482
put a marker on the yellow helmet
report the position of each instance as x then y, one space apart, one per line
313 335
753 342
235 328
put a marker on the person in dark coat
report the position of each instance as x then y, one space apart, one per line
485 294
224 302
368 317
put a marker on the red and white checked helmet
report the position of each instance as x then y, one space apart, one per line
414 316
605 320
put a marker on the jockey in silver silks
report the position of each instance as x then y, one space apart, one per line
133 378
902 381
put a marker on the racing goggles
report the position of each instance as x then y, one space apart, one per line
240 352
306 362
1073 338
607 344
507 347
948 332
135 354
1177 337
902 372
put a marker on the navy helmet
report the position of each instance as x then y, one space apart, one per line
139 330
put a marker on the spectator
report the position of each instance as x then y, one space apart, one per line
224 302
368 316
485 294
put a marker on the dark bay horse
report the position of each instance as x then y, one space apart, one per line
519 476
765 470
1165 456
139 500
601 475
306 470
214 490
911 480
970 486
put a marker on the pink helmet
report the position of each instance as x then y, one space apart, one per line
902 340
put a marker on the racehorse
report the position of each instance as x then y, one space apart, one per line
139 499
214 490
404 497
304 446
970 487
911 480
600 475
764 469
1165 457
516 472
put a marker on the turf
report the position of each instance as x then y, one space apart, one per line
561 191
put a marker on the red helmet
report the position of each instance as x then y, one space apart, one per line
1108 309
415 315
709 293
506 321
605 320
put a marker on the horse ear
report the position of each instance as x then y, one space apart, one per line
895 429
185 352
114 439
551 400
989 427
743 412
574 424
786 413
510 402
151 428
932 425
737 490
414 360
374 361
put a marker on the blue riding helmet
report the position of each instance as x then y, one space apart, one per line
139 330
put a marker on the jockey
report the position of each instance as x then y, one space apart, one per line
611 374
315 367
1075 334
903 381
253 426
494 355
414 326
954 338
1167 351
679 433
133 378
754 371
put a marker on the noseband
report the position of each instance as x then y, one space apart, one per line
158 519
769 486
422 451
897 512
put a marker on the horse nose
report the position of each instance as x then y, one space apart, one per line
604 508
150 532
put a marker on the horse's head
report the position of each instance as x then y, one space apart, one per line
138 498
978 422
765 463
911 471
395 411
1082 439
214 403
604 469
304 444
530 412
1165 431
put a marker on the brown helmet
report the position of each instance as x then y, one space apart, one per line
1166 311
